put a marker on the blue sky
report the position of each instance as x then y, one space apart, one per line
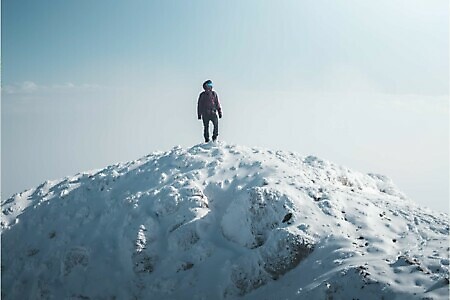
362 83
400 47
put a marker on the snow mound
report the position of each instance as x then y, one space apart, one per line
219 221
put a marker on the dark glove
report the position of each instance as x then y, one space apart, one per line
199 117
220 116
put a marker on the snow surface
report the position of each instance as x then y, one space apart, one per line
220 221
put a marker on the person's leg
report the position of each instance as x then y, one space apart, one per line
206 128
215 121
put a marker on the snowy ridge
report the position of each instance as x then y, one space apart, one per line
219 221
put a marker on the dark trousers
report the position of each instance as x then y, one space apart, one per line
206 119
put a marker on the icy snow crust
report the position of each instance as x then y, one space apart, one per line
220 221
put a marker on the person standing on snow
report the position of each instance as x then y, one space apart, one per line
207 108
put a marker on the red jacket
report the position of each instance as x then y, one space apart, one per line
208 104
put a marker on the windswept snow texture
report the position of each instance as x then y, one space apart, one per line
219 221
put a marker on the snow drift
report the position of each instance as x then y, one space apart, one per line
220 221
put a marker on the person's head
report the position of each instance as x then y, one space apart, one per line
207 85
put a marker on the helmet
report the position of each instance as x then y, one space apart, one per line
207 83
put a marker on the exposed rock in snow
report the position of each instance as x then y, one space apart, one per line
219 221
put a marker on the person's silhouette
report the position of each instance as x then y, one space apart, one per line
207 108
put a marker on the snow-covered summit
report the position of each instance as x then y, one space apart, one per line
220 221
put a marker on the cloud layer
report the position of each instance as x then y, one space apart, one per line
31 87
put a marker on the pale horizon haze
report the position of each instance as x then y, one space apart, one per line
364 84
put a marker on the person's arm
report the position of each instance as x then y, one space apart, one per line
199 107
219 109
